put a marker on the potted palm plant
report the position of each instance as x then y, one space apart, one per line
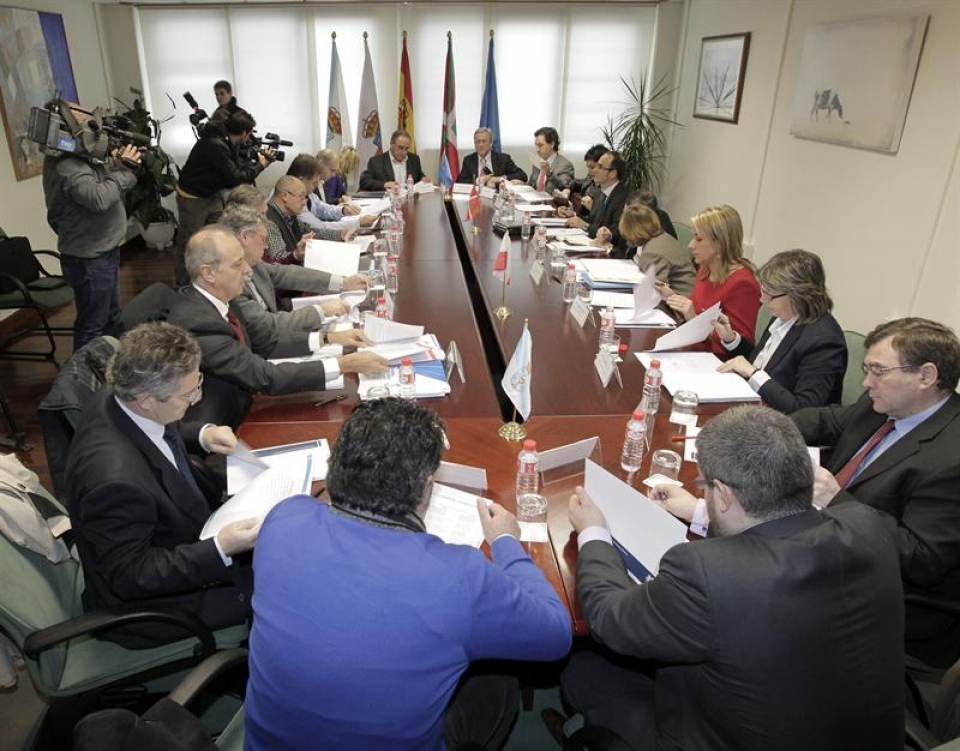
157 178
639 132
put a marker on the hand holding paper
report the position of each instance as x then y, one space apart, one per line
496 521
239 536
583 512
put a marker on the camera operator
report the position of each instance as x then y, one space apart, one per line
85 207
226 101
215 165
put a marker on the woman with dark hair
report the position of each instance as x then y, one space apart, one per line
801 358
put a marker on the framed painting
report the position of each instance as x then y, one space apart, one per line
856 79
34 67
723 63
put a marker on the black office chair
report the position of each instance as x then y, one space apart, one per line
26 284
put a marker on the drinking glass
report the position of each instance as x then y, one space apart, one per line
666 462
685 404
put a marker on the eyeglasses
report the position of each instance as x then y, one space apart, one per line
192 396
764 292
881 370
298 196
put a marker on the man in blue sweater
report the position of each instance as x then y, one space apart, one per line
365 623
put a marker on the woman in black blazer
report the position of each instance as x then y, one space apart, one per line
801 358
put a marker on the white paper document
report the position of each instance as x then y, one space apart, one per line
462 188
611 270
332 257
264 492
243 465
603 298
642 531
380 330
554 222
650 319
461 474
695 330
426 347
558 246
453 517
531 208
372 206
423 187
697 372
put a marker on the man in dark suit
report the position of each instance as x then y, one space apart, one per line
236 350
393 167
493 167
783 631
604 220
136 508
896 449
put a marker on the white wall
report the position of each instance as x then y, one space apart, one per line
22 209
885 225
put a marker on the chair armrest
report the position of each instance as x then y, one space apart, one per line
109 618
205 672
596 738
52 254
19 286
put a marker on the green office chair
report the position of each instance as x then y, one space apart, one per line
853 378
41 612
684 233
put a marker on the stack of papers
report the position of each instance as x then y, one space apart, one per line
609 272
375 206
697 329
528 194
453 517
555 221
245 464
333 257
637 309
354 299
697 372
395 341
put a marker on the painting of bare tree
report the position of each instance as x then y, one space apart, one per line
723 63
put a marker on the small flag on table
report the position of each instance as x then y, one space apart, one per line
473 207
516 379
501 267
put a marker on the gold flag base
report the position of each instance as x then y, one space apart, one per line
512 431
502 312
475 230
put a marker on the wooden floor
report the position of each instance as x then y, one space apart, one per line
26 383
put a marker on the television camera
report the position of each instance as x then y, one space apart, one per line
58 131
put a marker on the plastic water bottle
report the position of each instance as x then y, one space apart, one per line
409 186
512 208
650 402
393 238
541 240
528 468
408 379
608 327
526 226
393 275
380 253
381 310
569 283
498 201
634 442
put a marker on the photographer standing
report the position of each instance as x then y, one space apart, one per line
215 165
85 208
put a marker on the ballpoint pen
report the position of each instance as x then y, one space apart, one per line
330 400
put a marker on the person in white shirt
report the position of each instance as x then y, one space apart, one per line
391 168
552 172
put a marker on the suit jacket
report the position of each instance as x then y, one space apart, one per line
670 263
807 368
137 522
560 177
233 371
502 166
786 636
915 483
267 278
380 171
608 214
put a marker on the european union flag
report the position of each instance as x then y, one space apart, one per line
490 107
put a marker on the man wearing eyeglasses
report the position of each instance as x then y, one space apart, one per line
897 449
136 507
782 631
604 219
287 235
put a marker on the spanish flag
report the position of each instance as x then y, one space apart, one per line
405 98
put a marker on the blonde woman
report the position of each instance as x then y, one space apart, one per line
724 276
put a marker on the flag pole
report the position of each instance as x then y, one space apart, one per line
503 312
514 431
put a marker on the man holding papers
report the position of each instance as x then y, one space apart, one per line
609 202
491 167
136 508
366 625
237 350
287 236
782 632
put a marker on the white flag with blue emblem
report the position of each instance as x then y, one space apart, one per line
516 380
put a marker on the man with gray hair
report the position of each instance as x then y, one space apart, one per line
783 631
491 167
136 507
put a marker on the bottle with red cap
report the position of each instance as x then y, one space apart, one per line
634 442
650 401
408 379
570 283
382 311
528 469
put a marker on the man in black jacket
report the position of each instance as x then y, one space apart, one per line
393 167
213 167
491 166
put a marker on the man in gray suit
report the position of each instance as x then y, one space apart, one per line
554 172
783 631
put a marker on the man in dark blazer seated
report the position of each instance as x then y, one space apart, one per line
897 449
237 351
783 631
493 167
136 508
392 167
609 203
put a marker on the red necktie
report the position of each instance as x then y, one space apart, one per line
542 180
237 327
850 468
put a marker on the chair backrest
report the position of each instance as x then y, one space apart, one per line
684 233
853 378
81 376
763 318
17 259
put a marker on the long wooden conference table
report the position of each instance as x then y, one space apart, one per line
446 284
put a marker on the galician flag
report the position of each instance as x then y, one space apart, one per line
449 157
405 97
501 267
490 106
369 140
516 379
473 206
338 119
